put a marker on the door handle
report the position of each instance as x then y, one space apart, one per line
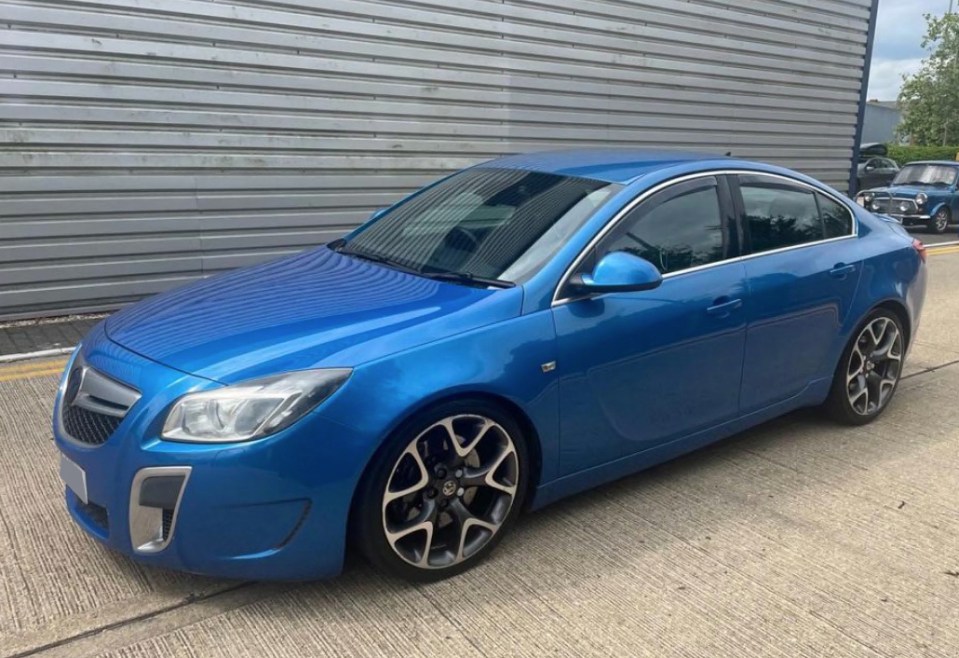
724 306
842 270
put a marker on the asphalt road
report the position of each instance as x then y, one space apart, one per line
798 538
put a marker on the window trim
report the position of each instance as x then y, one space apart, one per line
626 209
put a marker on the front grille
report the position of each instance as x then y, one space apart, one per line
95 514
93 405
88 426
888 205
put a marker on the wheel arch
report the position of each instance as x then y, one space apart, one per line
898 308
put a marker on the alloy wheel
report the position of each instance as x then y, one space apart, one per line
875 364
450 491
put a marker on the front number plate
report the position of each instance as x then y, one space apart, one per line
74 477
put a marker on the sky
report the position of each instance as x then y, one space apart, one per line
900 27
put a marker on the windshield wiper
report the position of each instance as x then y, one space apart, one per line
467 278
339 246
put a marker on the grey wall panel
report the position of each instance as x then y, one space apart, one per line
147 144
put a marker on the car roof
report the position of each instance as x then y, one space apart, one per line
610 165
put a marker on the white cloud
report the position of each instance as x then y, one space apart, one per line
885 77
900 26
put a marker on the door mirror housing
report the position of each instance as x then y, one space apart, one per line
618 271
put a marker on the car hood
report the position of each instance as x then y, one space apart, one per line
906 191
316 309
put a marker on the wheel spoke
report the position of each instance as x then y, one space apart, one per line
856 363
464 449
466 520
485 476
412 450
425 523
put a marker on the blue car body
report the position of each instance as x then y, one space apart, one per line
639 378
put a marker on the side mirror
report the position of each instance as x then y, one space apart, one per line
618 271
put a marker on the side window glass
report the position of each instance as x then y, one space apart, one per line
675 229
778 214
836 218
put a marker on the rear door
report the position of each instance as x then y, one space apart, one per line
801 274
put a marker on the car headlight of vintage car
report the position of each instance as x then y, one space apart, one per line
864 199
921 199
252 409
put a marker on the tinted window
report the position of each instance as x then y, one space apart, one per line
493 223
836 218
677 229
778 214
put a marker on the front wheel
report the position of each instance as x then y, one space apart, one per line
940 221
869 370
444 492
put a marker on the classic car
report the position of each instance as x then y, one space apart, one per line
921 193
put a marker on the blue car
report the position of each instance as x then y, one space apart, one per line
513 334
922 193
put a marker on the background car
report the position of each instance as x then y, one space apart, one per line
922 193
875 172
515 333
874 167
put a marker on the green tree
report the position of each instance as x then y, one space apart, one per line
930 98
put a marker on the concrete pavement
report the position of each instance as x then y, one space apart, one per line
798 538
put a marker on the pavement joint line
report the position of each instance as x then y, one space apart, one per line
189 600
930 369
24 356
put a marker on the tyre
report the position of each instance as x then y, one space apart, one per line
443 492
940 221
868 372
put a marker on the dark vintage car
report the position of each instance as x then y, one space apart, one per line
921 193
874 168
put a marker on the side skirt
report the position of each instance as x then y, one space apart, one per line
812 395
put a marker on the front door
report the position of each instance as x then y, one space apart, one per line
644 368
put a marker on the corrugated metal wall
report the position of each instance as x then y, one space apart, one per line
146 143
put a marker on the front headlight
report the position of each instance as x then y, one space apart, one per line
921 199
253 409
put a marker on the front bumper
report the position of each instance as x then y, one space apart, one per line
275 508
910 219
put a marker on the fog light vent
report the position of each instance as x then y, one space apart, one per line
154 504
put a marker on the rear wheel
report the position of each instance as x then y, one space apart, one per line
445 491
940 221
869 370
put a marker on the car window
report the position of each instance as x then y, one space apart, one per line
836 218
889 164
484 222
778 214
676 229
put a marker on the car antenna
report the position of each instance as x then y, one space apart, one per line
728 153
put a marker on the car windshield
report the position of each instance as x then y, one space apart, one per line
926 174
486 225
